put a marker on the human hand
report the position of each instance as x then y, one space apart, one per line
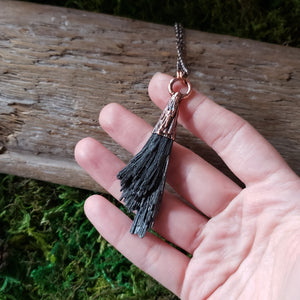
248 246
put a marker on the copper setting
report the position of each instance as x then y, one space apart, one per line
166 125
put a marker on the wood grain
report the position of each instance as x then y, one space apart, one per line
59 67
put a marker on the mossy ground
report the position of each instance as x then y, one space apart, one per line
48 249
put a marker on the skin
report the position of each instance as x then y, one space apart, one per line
247 246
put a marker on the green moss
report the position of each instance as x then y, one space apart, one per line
49 250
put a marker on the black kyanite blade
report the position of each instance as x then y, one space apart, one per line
143 182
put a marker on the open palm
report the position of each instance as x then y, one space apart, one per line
247 246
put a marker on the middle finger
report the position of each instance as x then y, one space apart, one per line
193 178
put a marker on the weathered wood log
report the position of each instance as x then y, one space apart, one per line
59 67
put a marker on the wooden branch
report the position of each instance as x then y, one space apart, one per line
59 67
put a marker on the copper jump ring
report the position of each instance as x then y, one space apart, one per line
182 80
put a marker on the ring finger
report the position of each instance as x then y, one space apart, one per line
176 221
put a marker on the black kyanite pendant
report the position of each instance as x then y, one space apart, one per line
143 179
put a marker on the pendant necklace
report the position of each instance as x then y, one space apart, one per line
143 179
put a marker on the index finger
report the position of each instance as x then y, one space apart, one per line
240 146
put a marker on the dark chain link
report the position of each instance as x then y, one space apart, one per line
181 66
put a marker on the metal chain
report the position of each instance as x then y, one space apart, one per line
182 70
181 66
